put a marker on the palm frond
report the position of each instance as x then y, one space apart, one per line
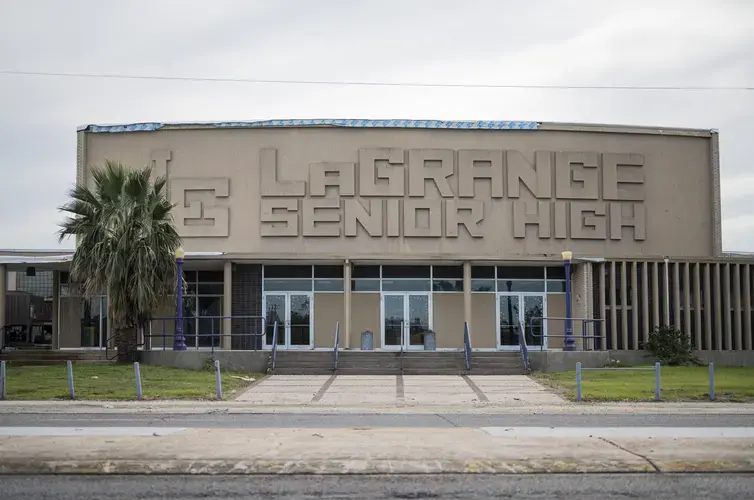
126 240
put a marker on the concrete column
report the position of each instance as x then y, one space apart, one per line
737 334
747 306
345 332
656 297
226 342
645 289
708 310
676 284
624 306
603 325
634 307
3 294
467 296
718 308
698 327
727 304
688 328
581 295
613 309
56 310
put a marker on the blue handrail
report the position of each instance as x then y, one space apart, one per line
273 357
336 345
467 345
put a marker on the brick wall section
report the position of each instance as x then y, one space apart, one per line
247 301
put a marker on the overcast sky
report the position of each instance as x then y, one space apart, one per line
644 43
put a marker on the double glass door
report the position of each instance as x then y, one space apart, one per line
294 315
516 312
405 318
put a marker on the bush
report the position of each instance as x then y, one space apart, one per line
670 346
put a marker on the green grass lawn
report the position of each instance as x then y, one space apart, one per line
678 383
117 382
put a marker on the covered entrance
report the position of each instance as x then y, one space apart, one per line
294 315
514 312
405 318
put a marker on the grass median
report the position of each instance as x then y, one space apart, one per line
118 382
677 383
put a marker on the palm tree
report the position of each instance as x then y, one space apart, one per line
126 242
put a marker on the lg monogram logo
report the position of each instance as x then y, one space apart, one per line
201 203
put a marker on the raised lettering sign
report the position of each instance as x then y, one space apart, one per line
442 193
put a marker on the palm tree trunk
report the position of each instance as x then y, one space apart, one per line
125 342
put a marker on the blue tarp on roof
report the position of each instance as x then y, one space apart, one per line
421 124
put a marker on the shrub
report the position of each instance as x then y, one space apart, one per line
670 346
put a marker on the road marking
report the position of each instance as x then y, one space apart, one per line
88 431
479 393
322 390
622 432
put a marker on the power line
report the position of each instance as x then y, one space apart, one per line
113 76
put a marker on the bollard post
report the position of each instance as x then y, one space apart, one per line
71 391
218 380
657 381
3 391
137 374
578 381
712 381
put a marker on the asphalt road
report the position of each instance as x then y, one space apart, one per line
583 487
335 421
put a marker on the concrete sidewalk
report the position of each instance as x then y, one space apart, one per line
511 408
370 451
398 390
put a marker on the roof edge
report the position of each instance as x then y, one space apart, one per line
397 123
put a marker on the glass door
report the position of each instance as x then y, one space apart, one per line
405 318
509 320
515 312
299 331
534 311
293 313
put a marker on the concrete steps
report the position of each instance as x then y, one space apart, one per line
390 363
31 357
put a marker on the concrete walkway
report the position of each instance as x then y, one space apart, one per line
183 407
398 391
353 451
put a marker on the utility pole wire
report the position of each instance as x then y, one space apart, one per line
113 76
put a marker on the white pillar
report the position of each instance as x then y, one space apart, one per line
227 305
346 330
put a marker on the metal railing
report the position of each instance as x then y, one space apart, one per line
274 353
467 345
253 332
336 345
523 347
403 341
587 341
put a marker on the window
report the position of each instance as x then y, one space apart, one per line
303 278
203 308
366 278
518 279
447 278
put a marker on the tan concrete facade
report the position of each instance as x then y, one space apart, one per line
251 201
397 193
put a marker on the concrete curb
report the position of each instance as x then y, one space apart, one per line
347 466
336 466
